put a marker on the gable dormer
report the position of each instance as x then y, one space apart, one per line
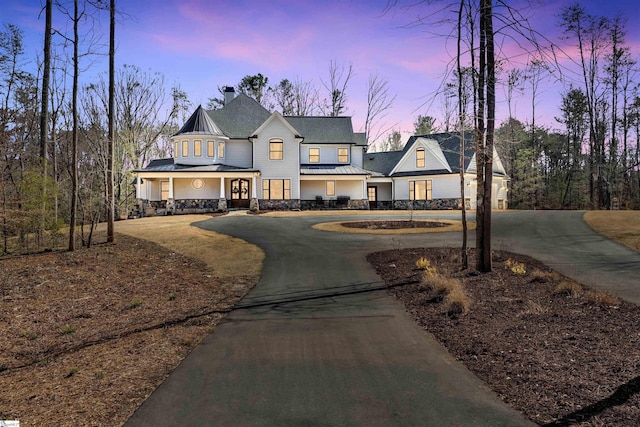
423 155
200 141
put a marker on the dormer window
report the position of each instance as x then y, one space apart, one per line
314 155
197 148
185 148
276 148
221 150
420 158
343 155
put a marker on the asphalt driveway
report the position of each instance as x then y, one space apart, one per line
316 342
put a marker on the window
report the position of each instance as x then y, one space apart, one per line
343 155
211 149
221 150
420 190
275 149
197 148
420 158
276 189
176 149
314 155
372 193
331 188
185 148
164 190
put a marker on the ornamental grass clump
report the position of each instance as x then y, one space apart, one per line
516 267
568 288
456 302
426 267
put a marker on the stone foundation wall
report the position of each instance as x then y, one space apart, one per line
319 204
435 204
189 206
279 205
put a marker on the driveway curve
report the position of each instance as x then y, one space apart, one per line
317 342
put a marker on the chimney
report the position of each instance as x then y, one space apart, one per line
229 94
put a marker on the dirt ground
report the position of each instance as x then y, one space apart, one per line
87 336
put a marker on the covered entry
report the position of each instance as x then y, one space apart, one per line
240 193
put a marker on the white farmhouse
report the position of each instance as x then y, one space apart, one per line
243 156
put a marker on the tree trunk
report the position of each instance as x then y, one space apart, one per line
488 154
74 133
465 261
110 192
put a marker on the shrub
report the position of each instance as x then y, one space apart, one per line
516 267
135 303
425 265
567 288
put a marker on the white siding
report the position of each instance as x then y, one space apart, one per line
434 158
182 189
288 167
357 154
442 186
310 189
384 190
239 153
191 159
353 189
328 153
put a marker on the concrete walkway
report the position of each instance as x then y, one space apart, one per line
316 344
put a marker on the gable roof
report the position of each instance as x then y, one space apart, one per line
323 130
382 162
200 124
277 116
240 117
450 146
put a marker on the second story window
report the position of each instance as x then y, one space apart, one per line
176 149
276 148
185 148
343 155
420 158
211 149
197 148
221 150
314 155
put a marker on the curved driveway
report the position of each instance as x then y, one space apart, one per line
314 343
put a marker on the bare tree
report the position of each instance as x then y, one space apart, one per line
112 126
379 101
339 78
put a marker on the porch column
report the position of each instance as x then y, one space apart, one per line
254 193
365 194
222 195
170 188
138 188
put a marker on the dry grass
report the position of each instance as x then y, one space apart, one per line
541 276
87 336
602 298
621 226
568 288
456 302
338 227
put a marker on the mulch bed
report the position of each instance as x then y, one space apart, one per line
559 357
393 225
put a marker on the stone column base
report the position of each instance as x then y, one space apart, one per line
222 205
254 206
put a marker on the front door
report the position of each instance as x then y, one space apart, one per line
372 194
240 193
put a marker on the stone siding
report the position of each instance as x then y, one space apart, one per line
279 205
435 204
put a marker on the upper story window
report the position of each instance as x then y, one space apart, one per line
420 158
185 148
211 149
221 150
176 149
197 148
314 155
276 148
343 155
420 190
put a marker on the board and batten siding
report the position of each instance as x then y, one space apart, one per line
288 167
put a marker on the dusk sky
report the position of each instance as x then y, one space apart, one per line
200 44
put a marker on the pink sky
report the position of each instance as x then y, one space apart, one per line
201 44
